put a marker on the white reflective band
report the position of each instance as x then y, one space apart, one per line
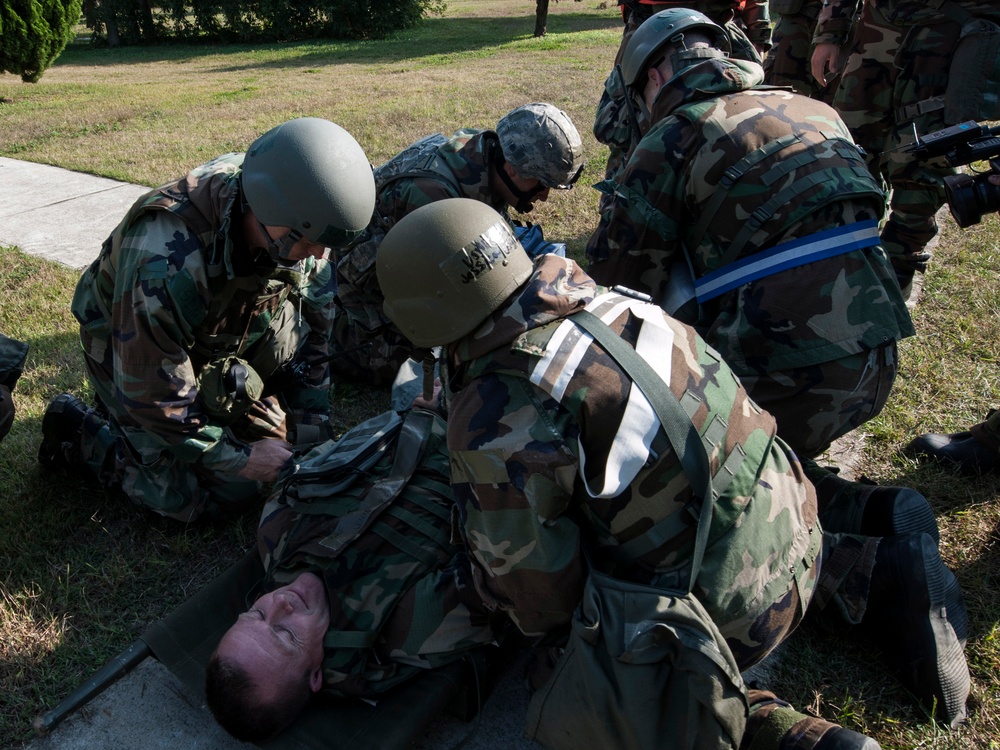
787 255
639 424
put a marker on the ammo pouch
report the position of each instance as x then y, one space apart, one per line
644 668
228 387
973 91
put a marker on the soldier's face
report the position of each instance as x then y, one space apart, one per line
282 634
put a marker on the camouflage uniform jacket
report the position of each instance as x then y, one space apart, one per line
838 16
537 475
152 317
710 120
459 167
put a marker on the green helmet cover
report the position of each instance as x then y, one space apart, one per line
311 175
540 142
663 28
445 267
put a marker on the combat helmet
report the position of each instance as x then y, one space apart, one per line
311 175
668 27
540 142
445 267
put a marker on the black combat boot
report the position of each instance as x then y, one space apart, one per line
917 616
870 509
6 411
61 430
774 725
962 449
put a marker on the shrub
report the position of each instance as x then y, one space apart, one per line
33 33
118 22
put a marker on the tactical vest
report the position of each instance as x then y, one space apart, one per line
740 214
420 159
371 514
551 358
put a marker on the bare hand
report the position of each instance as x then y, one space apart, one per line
266 459
825 62
435 398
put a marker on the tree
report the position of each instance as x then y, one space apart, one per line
33 33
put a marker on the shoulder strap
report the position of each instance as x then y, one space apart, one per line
679 428
416 429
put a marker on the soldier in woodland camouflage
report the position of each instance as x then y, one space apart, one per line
749 213
894 83
553 451
788 62
205 322
619 126
360 615
534 149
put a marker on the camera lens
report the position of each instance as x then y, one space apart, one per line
970 197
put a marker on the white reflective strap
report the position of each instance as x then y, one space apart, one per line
639 424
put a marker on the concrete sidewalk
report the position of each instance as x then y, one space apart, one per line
58 214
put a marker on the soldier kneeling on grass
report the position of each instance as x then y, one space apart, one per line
533 150
554 453
205 323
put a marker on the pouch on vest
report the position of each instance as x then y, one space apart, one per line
228 387
973 91
659 649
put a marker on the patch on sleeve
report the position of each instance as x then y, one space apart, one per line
479 467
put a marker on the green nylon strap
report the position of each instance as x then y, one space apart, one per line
679 428
427 493
730 177
676 523
409 448
440 537
404 544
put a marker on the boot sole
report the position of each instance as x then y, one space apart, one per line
940 676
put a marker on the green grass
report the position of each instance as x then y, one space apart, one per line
84 573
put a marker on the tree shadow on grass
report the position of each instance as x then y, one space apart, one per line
434 37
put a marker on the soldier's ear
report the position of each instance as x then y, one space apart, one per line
316 679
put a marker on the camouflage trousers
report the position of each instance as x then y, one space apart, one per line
788 62
167 486
840 597
817 404
120 453
890 72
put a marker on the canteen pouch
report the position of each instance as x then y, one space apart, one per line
644 668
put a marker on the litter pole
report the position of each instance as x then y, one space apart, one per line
101 679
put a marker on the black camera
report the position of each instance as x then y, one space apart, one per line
969 196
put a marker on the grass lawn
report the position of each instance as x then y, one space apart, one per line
84 573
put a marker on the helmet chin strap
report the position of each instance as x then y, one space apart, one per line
524 197
279 249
